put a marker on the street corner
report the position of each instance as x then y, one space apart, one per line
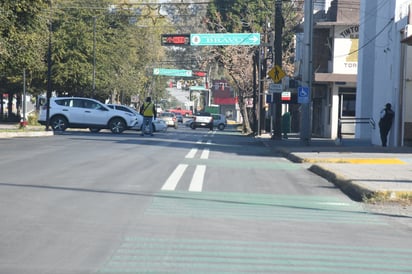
363 184
353 190
365 161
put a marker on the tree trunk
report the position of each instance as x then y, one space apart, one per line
246 129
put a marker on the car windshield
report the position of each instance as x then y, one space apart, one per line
203 114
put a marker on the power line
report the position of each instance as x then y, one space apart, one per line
371 40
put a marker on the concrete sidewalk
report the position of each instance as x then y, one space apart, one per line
361 170
11 130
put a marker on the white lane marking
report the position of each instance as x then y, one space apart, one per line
209 142
174 178
199 142
191 153
205 154
334 203
197 180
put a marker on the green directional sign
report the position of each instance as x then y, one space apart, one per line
225 39
198 88
172 72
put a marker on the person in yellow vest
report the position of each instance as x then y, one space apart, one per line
148 110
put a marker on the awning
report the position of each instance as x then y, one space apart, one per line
335 77
407 40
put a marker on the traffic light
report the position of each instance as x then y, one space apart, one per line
199 73
175 39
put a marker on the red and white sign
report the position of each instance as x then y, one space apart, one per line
285 96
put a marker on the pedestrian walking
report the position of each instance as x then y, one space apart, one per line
148 110
385 123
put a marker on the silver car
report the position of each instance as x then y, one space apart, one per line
169 118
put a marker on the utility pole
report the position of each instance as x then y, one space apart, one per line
306 114
277 111
94 57
49 68
255 86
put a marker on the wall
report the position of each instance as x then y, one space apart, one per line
383 65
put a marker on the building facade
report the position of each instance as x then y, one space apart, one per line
335 63
385 67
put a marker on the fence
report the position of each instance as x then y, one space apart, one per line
354 121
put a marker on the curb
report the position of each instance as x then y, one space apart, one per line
354 191
26 134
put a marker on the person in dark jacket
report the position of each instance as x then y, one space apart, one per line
385 123
148 110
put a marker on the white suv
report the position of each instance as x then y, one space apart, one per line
78 112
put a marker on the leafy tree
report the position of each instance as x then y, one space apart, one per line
22 43
124 46
237 16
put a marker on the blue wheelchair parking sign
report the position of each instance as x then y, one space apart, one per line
303 95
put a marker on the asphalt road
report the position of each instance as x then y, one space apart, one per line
184 201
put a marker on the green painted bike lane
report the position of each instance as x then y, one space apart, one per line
182 252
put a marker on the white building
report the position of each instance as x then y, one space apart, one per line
385 68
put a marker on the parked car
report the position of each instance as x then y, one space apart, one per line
219 121
158 124
169 118
79 112
202 119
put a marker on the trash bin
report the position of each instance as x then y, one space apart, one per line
286 124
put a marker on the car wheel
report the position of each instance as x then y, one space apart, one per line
58 123
117 125
94 130
221 126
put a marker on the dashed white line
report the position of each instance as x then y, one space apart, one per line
205 154
196 184
191 153
174 178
